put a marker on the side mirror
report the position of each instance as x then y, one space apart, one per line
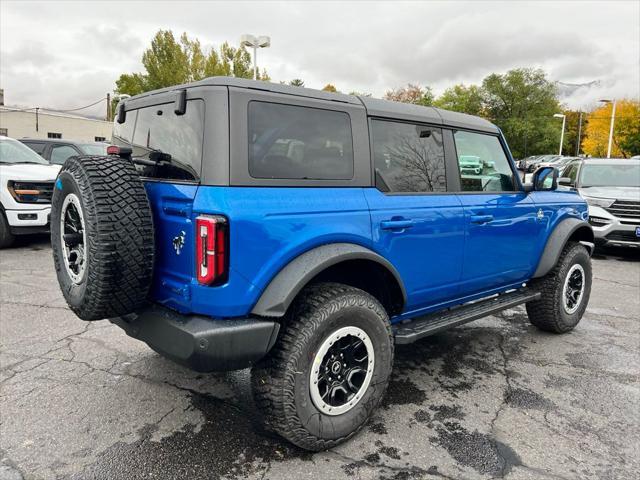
544 179
565 182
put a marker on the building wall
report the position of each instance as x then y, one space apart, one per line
20 124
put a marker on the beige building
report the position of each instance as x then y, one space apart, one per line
42 123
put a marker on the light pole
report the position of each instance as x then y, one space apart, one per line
255 42
613 118
564 119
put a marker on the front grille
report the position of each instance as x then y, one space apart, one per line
625 209
31 192
623 236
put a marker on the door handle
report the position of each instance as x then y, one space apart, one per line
481 219
396 224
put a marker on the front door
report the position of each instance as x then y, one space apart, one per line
502 222
416 224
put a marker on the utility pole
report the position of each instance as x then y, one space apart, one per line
579 134
613 119
37 108
108 107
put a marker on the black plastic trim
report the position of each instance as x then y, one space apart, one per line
201 343
556 242
281 291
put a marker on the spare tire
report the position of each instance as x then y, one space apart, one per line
102 236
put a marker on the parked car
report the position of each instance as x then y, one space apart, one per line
546 159
296 231
56 151
470 164
611 187
522 163
558 162
26 186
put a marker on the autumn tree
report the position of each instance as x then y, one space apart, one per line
412 93
329 88
461 98
626 130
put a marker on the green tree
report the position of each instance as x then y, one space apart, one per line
297 82
461 98
412 93
169 62
522 103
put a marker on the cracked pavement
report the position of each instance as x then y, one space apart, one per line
493 399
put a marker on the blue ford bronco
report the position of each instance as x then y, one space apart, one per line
303 233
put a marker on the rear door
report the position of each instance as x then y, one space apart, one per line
502 223
416 224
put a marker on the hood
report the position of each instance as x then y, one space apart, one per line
29 171
617 193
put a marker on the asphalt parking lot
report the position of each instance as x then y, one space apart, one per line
493 399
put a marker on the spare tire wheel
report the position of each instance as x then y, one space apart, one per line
102 237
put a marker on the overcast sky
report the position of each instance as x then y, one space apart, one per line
68 54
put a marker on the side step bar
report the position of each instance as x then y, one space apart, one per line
419 327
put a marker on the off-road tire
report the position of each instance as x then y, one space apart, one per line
548 312
281 383
6 237
119 236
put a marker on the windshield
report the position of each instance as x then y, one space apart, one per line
12 151
93 148
615 175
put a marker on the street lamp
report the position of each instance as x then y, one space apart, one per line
256 43
564 119
613 117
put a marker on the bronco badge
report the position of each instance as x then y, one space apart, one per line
178 242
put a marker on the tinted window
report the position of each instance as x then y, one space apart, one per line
37 147
291 142
175 141
93 148
408 157
572 171
483 164
60 153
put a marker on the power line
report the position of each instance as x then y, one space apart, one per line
26 109
82 108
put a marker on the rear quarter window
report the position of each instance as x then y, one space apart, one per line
294 142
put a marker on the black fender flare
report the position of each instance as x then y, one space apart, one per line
283 288
558 239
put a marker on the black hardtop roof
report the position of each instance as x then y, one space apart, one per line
375 107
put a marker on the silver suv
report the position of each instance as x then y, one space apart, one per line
611 187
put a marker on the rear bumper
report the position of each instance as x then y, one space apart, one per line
202 343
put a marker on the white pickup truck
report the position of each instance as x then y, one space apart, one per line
26 185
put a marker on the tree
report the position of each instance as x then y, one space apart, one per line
412 93
297 82
522 103
169 62
461 98
626 130
329 88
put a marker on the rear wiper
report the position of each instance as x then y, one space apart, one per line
155 158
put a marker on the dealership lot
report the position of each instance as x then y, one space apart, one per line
496 398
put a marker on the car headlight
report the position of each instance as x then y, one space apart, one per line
599 202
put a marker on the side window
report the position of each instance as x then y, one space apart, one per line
483 164
408 157
572 172
60 153
292 142
37 147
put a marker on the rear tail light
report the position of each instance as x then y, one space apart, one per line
211 249
113 150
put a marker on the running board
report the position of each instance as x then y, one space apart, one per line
419 327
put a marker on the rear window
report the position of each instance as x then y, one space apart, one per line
292 142
156 130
